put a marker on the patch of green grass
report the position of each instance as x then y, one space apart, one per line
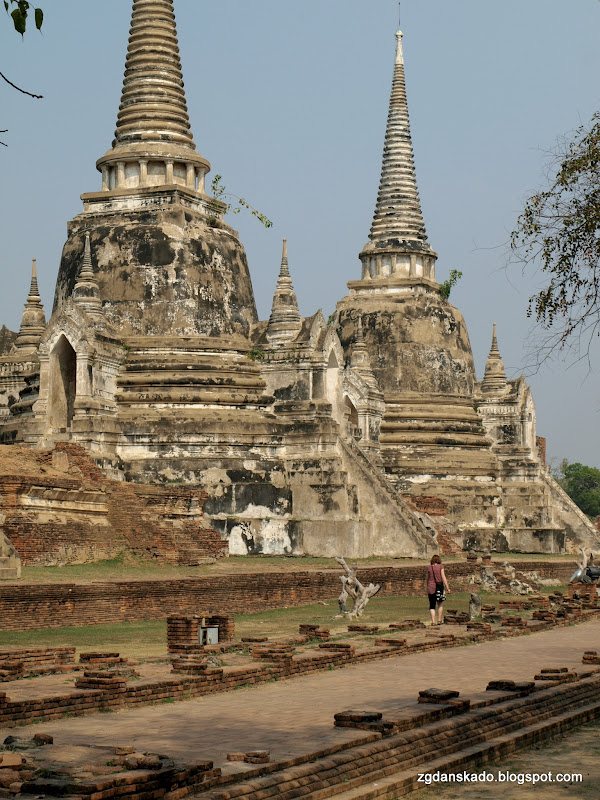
134 639
126 567
143 639
380 611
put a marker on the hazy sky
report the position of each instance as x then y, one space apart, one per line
288 100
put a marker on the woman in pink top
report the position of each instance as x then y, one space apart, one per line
436 586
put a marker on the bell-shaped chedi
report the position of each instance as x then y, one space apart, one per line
494 379
33 321
285 320
165 262
417 340
418 344
162 271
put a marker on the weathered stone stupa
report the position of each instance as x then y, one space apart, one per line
417 341
154 361
436 448
367 435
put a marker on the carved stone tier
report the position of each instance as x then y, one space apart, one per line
442 432
163 373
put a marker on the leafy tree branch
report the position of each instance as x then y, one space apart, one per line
220 193
558 233
447 286
20 14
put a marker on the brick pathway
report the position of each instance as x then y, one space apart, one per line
296 716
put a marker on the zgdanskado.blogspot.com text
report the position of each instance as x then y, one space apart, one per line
500 776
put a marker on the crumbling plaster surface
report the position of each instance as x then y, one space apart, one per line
163 272
417 341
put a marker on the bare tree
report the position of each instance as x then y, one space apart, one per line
352 587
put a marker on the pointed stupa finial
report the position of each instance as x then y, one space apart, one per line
359 332
86 292
398 212
494 348
398 244
86 272
33 321
494 378
284 271
399 51
285 319
153 122
34 292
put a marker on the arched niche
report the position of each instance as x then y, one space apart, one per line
63 385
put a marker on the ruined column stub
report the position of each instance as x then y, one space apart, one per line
153 139
33 321
398 249
494 378
285 320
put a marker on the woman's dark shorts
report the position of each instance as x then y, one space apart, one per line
431 601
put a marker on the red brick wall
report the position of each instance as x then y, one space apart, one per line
434 506
145 520
541 445
30 606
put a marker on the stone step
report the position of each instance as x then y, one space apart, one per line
9 573
349 771
473 758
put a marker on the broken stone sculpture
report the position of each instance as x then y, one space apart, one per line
475 606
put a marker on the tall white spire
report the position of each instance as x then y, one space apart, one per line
153 144
153 106
398 211
398 246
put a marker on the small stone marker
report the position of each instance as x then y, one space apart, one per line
358 716
437 695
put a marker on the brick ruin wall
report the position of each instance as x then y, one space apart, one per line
60 508
32 606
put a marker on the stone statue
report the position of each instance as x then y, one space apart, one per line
474 606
